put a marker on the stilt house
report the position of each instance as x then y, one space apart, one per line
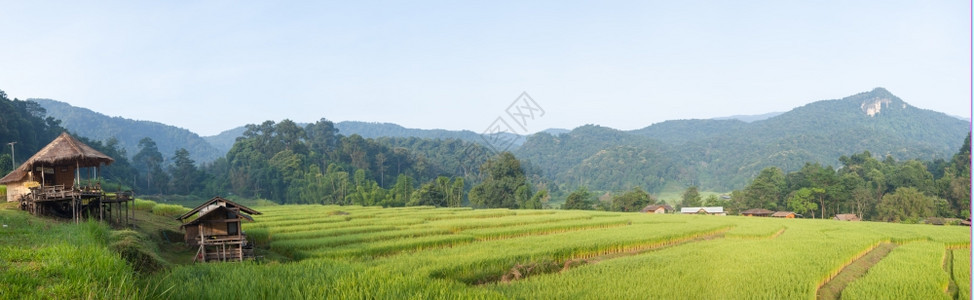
216 230
50 183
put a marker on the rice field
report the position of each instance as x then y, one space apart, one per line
429 253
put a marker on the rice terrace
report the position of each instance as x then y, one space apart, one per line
486 150
325 251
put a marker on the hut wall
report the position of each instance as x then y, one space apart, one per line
63 175
15 190
192 235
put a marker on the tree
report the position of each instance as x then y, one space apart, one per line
712 200
632 200
505 185
581 198
906 204
765 191
803 201
185 176
149 163
691 197
428 194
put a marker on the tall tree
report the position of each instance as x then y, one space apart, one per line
504 184
581 198
185 176
149 163
632 200
691 197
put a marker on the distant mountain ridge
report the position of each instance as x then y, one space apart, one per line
725 154
716 154
128 132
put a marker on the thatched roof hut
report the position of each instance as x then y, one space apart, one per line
60 158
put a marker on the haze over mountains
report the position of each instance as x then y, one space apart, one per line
716 154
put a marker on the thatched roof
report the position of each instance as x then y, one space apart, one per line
782 214
64 150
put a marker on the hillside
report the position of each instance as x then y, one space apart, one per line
97 126
725 154
224 140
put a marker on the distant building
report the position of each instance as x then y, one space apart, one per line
708 210
657 209
847 217
757 212
784 214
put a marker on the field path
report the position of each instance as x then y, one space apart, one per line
833 288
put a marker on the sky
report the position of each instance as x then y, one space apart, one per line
209 66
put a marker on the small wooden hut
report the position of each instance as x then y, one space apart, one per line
50 183
757 212
657 209
216 230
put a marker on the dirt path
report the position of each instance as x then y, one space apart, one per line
833 288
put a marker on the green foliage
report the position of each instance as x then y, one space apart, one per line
504 185
906 204
286 163
691 197
27 124
581 198
631 201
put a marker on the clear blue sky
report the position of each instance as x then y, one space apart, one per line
209 66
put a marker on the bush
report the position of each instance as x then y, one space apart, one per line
169 210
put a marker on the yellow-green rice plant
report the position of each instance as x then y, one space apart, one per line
911 271
493 233
169 210
145 205
962 272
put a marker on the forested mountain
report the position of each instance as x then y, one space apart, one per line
726 154
714 154
128 132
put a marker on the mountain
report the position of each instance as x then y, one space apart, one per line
726 154
128 132
224 140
